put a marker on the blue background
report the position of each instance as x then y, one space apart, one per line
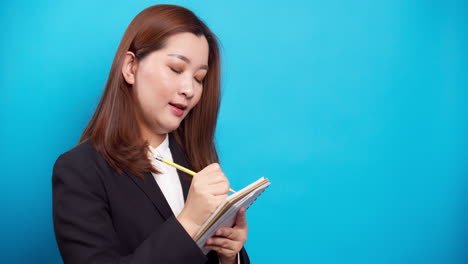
355 110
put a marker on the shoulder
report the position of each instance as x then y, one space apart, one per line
81 163
77 180
83 155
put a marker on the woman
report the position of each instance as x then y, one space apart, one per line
112 201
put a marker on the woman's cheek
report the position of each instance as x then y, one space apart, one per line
163 84
199 95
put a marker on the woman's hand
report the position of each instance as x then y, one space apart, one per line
229 241
208 190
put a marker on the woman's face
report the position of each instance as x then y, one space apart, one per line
168 82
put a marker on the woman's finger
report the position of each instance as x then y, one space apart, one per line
223 251
224 243
221 188
214 167
241 219
229 233
217 179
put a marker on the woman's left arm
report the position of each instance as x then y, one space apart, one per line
229 241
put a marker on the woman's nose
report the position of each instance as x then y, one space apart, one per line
187 89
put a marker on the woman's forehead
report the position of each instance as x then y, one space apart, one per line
188 46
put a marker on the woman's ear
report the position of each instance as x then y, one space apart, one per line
129 67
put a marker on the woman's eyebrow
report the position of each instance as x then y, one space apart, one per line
187 60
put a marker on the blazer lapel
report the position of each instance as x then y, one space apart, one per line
153 192
151 188
179 157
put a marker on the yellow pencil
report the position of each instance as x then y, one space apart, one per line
177 166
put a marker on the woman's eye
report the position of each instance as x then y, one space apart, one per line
198 81
174 70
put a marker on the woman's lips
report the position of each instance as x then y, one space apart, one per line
177 111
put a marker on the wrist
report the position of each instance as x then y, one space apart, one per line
190 227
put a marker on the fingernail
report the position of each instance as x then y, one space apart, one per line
218 233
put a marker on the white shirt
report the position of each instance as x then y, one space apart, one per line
168 179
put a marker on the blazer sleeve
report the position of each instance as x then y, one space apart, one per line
243 256
84 229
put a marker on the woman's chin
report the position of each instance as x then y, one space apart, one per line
169 127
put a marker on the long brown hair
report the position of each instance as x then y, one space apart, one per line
113 129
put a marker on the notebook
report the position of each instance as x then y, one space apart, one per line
225 214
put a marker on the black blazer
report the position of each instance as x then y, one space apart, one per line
103 217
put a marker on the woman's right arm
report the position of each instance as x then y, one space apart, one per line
84 228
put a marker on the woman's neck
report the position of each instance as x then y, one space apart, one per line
152 138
